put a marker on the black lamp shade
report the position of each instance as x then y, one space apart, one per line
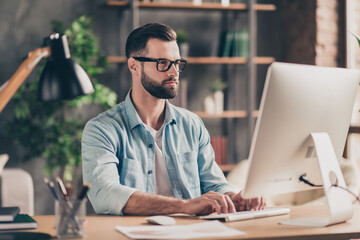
62 78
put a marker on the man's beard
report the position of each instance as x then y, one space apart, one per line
159 90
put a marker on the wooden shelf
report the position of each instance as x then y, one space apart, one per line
217 60
225 114
115 59
354 129
209 60
190 6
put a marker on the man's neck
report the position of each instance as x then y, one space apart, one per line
150 109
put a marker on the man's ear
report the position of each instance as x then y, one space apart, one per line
133 65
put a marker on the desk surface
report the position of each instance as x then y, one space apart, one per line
103 227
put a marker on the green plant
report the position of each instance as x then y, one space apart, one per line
181 36
217 85
357 38
53 130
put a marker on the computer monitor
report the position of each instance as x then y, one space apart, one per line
298 101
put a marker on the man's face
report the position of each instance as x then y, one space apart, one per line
160 84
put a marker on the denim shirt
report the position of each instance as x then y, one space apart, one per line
118 157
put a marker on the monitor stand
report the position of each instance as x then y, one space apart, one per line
339 203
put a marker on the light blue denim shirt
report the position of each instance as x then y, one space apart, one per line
118 156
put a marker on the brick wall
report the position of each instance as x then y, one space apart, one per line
311 31
299 30
326 45
357 27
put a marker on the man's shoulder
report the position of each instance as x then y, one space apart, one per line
114 114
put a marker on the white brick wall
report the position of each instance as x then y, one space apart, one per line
326 46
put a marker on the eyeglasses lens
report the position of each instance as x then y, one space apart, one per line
164 65
180 65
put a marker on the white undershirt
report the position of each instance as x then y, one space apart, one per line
162 185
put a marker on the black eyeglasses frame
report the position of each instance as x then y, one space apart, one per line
175 62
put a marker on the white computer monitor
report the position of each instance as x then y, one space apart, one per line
299 100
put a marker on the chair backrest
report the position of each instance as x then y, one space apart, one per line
17 189
3 160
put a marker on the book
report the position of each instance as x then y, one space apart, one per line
228 45
21 221
8 214
219 144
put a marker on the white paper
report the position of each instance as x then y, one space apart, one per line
197 230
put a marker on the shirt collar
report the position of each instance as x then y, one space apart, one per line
134 118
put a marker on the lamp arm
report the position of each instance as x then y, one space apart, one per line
9 88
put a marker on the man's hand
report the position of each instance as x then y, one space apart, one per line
242 204
208 203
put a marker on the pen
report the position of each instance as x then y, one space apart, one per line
69 189
83 191
77 204
52 188
62 188
64 204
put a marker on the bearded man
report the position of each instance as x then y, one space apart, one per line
145 156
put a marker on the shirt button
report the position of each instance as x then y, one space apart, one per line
150 172
150 145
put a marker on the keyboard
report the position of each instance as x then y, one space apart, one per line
245 215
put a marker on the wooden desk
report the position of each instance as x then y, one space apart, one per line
103 227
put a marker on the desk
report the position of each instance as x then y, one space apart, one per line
103 227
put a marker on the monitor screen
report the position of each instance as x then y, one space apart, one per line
298 100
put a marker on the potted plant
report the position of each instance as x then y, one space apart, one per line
53 130
215 102
182 41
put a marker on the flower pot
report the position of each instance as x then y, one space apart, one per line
184 49
219 102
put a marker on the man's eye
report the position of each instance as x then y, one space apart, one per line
163 62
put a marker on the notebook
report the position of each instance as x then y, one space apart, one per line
21 221
8 214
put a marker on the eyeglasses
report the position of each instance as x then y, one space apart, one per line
163 64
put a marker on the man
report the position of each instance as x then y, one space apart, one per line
146 156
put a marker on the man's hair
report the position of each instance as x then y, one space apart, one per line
138 38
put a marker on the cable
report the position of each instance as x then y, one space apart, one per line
303 179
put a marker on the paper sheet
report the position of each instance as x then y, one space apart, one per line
197 230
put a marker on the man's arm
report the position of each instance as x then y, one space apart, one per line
148 204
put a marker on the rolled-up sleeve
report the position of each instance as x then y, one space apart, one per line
100 168
211 176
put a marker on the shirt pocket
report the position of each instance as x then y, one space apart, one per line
131 173
189 164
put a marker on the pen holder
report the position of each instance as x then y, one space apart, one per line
70 218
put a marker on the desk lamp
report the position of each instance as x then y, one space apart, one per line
61 78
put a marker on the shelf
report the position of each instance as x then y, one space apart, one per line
209 60
189 6
115 59
225 114
354 129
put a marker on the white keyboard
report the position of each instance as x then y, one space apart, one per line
237 216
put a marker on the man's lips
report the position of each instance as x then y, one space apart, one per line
171 82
